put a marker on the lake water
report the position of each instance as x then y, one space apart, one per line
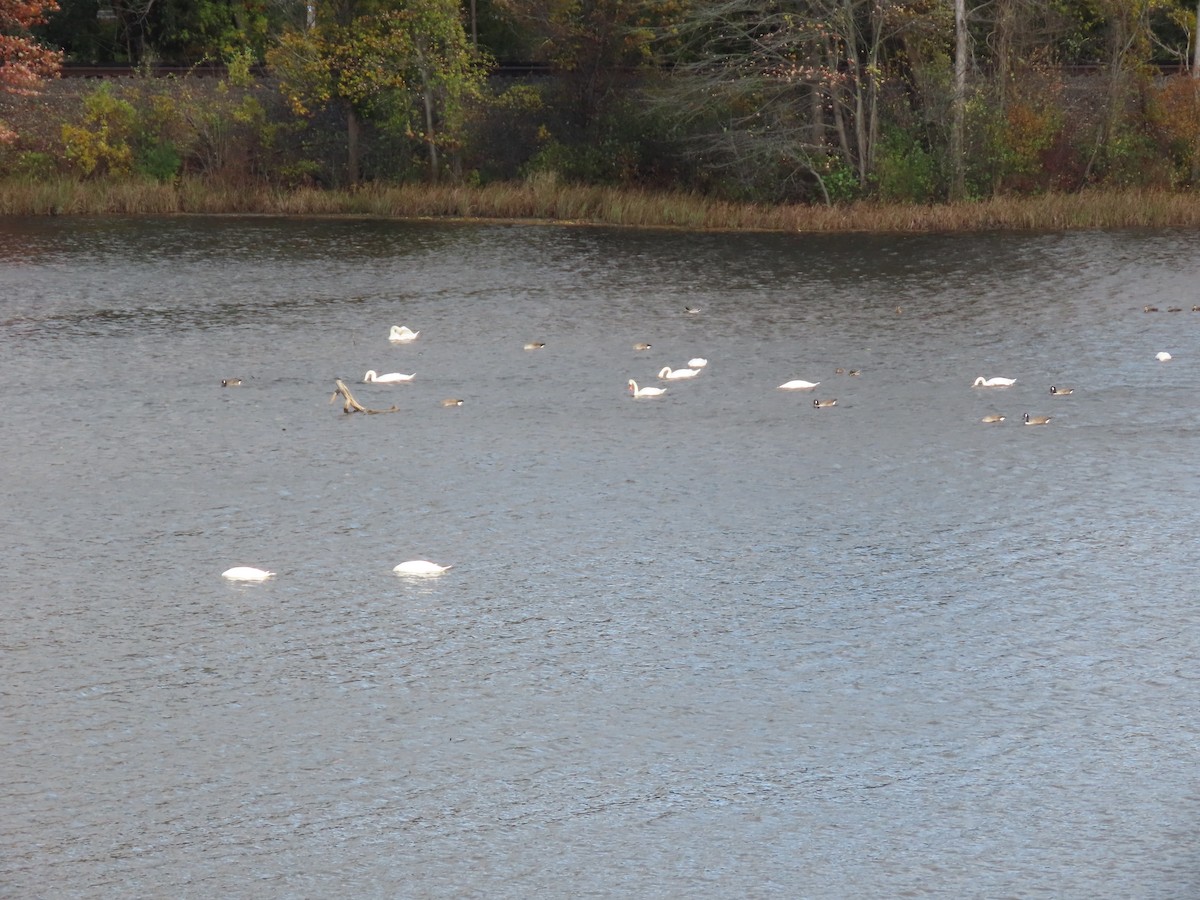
714 644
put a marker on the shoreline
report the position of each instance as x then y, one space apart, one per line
545 202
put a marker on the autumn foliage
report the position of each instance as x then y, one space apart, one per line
22 61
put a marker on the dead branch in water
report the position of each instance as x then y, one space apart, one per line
350 405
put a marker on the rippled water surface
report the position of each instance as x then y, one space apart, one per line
718 643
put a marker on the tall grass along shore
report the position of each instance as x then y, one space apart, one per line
551 202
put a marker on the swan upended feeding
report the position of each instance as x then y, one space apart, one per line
798 384
697 362
390 378
401 333
1162 356
246 573
994 382
675 374
646 391
420 567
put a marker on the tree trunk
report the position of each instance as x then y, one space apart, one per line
352 151
1196 44
958 126
430 136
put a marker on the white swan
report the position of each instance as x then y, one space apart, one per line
1162 356
390 378
402 333
798 384
646 391
246 573
994 382
697 362
675 374
420 567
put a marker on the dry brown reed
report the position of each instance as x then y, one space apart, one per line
547 200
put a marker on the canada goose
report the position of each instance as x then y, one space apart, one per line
854 373
1149 309
1061 392
535 345
231 382
1174 309
246 573
1036 420
402 333
675 374
1196 309
992 418
452 401
692 310
1163 356
824 404
641 346
420 567
646 391
390 378
798 385
839 371
994 382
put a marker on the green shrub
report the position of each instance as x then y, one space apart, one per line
160 161
905 172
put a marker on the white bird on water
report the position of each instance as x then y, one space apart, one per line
390 378
246 573
675 374
402 333
798 384
697 362
994 382
646 391
1162 356
420 567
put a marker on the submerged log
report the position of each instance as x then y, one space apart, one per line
350 405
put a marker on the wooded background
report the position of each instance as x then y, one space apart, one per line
803 100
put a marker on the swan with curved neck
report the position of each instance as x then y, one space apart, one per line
638 392
994 382
402 333
390 378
